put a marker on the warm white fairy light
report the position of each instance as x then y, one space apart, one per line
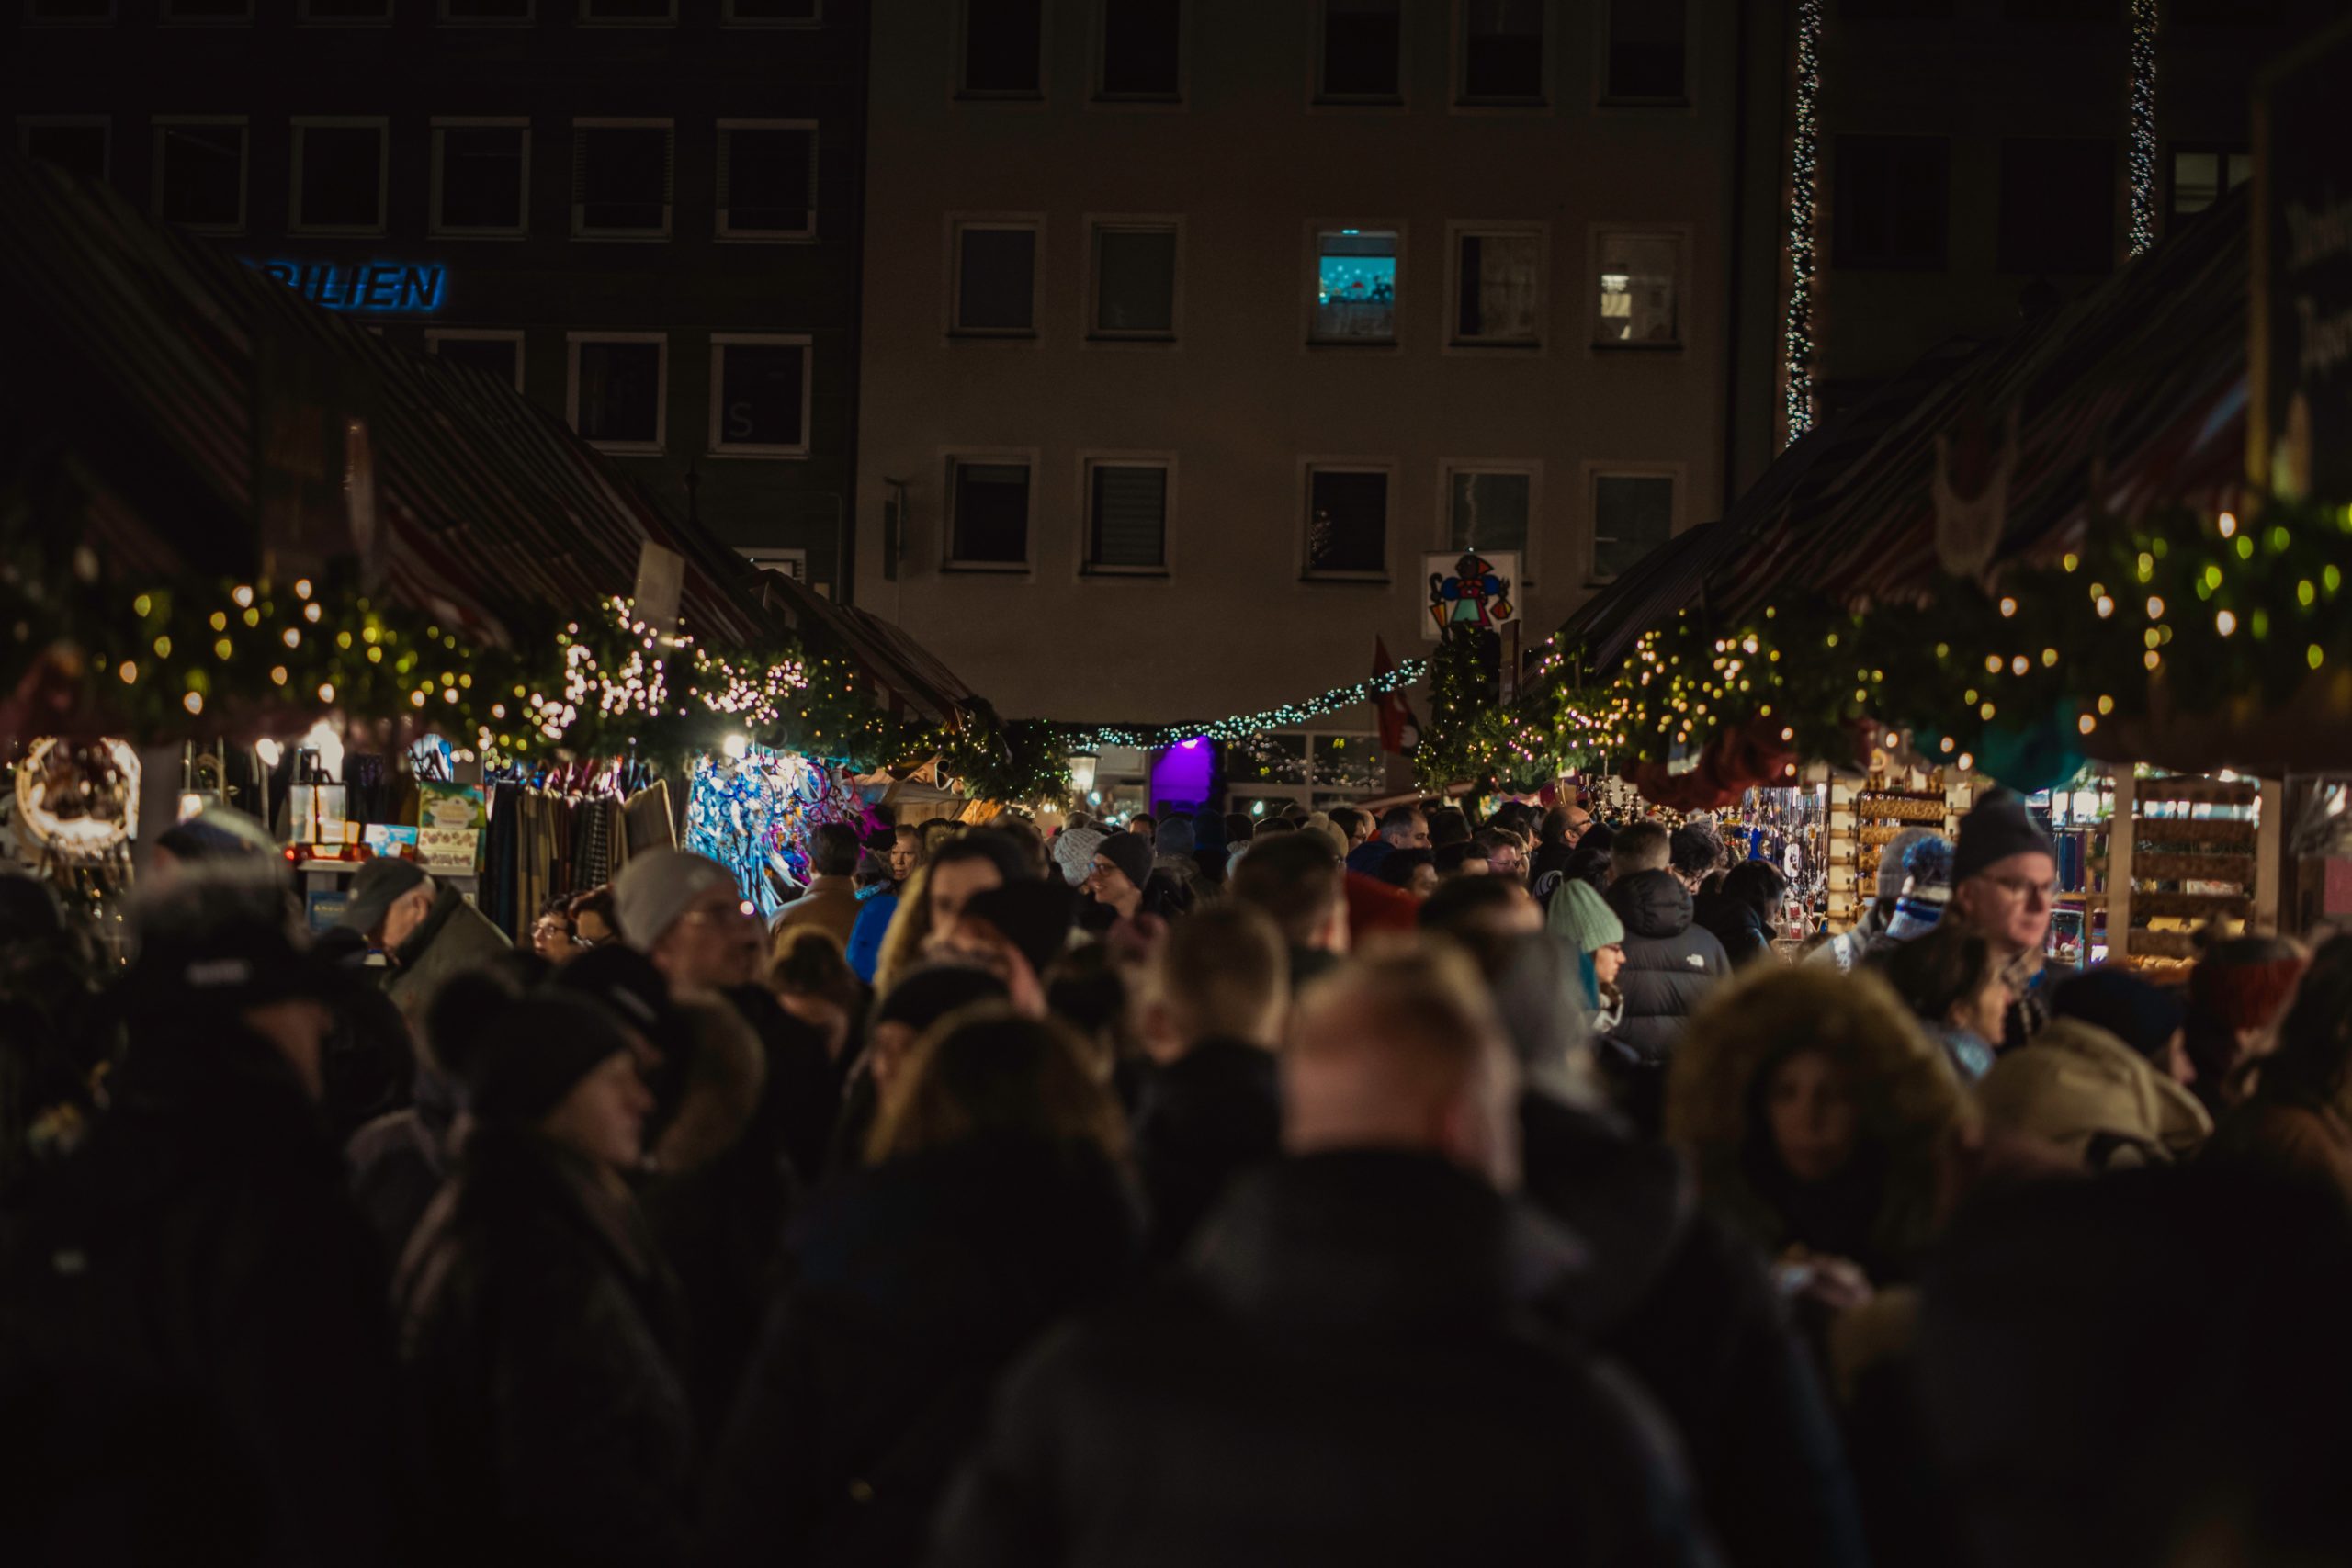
2141 155
1796 328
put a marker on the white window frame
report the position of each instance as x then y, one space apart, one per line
529 19
1319 227
441 122
33 20
727 18
436 337
1091 460
382 125
1458 229
163 122
1594 472
953 458
958 93
26 123
302 17
1680 235
571 341
163 18
1096 222
669 205
1307 468
1531 467
1098 56
767 236
959 221
1461 102
586 20
792 563
719 344
1317 100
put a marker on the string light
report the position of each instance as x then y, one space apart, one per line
1240 727
2142 154
1796 328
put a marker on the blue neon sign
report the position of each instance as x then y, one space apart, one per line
372 288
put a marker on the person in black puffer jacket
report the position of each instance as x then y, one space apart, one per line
1743 913
997 1204
1671 962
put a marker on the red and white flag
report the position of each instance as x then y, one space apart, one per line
1400 732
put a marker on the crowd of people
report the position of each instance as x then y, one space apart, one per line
1312 1187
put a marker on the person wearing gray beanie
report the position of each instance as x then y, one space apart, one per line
1073 852
686 912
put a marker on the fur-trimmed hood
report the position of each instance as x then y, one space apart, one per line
2078 1087
1910 1101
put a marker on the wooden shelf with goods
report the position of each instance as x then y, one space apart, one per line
2202 854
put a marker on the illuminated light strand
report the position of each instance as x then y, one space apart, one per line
1796 329
2141 155
1240 727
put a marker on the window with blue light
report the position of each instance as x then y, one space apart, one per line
1355 285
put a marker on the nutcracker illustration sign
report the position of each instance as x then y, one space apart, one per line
1470 589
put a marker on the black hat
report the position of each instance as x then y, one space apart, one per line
2141 1015
1131 852
1032 916
227 964
927 994
1996 827
626 981
374 890
545 1044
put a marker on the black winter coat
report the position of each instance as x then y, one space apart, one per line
1736 925
547 1421
803 1096
399 1162
1688 1309
194 1359
918 1281
1344 1374
1206 1117
1670 962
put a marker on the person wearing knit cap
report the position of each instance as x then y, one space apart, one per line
1848 949
1073 852
2237 993
1585 924
541 1329
2005 874
1927 889
1121 865
686 912
2144 1017
1014 932
1174 840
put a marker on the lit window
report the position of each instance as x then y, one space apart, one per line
1134 280
1347 522
1638 292
1003 49
987 521
1502 52
1498 294
1355 285
996 266
201 173
481 174
1490 509
1362 58
1631 515
1127 516
620 179
767 179
616 391
2202 175
759 396
1142 50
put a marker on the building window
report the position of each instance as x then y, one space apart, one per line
2058 198
69 13
346 12
487 13
1645 52
1002 50
340 168
1631 515
1498 287
1355 285
200 172
1637 291
498 353
1891 197
628 13
774 13
616 394
988 518
1134 280
767 179
1143 51
1347 522
1360 56
207 13
1502 52
2202 175
759 396
481 177
76 144
996 275
1488 509
620 179
1126 517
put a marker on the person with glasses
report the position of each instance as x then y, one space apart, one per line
592 922
2005 884
552 937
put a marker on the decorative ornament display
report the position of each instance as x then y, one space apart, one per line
754 815
78 801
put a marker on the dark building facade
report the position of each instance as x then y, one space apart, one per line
645 212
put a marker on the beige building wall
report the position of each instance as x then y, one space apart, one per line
1250 167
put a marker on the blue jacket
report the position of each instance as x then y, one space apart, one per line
866 937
